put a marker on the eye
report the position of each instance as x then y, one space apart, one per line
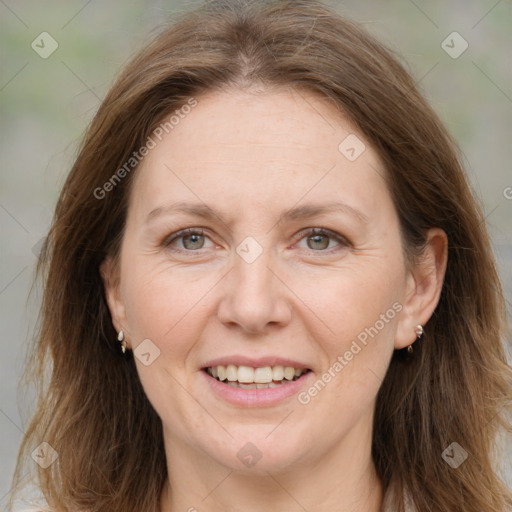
191 239
322 240
194 239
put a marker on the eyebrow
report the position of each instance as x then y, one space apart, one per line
295 213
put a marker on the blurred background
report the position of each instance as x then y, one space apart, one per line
58 59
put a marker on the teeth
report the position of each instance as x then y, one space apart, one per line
255 378
278 373
220 370
245 374
231 373
253 386
289 373
262 375
247 386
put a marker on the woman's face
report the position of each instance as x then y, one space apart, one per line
293 259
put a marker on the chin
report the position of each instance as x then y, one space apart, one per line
260 454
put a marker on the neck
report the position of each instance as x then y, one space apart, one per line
342 480
273 493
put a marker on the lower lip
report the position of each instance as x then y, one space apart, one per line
256 397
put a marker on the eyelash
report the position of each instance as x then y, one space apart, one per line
303 234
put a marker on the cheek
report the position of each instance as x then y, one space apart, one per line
365 324
363 316
354 302
165 305
359 308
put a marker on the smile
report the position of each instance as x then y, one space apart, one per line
247 377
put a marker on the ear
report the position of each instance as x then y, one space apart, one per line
423 287
110 276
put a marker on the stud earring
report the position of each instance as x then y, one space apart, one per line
419 333
120 337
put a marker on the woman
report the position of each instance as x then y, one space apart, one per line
268 285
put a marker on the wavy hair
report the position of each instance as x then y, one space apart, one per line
92 409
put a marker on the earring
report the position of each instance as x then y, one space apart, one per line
419 333
120 337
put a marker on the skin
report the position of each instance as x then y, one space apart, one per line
252 155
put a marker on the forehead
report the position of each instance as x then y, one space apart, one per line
261 120
259 146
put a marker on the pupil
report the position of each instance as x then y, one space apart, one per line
318 239
195 240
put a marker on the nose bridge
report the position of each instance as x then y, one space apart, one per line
252 277
253 299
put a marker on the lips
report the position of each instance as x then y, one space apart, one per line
256 395
255 382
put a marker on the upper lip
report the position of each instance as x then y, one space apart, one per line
259 362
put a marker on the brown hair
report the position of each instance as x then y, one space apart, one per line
94 411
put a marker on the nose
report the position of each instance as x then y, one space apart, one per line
253 298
